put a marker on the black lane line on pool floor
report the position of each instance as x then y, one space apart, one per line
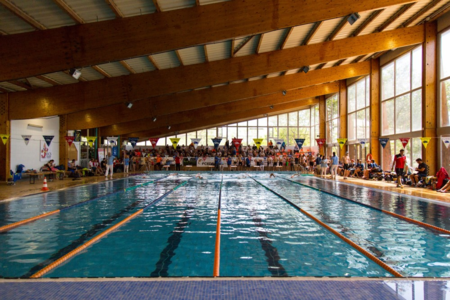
81 240
271 252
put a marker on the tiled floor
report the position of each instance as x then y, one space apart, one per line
225 289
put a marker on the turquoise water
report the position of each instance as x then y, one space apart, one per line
261 234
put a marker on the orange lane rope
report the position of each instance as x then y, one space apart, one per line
32 219
217 249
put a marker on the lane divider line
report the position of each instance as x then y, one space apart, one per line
428 226
44 215
216 269
77 250
348 241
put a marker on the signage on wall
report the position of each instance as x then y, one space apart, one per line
48 139
383 141
26 139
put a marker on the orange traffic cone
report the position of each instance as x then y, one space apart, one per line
45 188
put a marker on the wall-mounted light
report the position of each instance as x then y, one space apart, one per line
304 69
154 119
271 107
75 73
129 105
284 93
168 127
35 126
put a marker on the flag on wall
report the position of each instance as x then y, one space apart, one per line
48 139
341 142
133 141
195 142
321 142
216 143
446 141
154 141
112 140
4 138
300 143
258 142
174 142
26 139
425 141
236 142
383 141
70 140
91 140
278 142
404 141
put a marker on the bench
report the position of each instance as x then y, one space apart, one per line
187 168
211 167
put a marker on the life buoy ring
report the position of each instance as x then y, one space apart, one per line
369 157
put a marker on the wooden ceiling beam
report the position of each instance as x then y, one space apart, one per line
115 8
22 15
156 4
219 110
127 66
3 90
145 85
311 33
21 84
338 29
394 17
84 45
101 71
366 22
68 10
48 80
183 102
207 122
418 14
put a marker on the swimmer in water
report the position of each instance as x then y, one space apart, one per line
294 175
272 175
198 176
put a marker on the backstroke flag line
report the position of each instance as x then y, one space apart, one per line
174 142
48 139
383 141
341 142
258 142
26 138
300 143
278 142
321 142
154 141
4 138
446 141
133 141
425 141
216 143
195 142
404 141
70 140
112 140
236 143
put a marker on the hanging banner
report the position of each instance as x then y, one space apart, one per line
425 141
154 141
112 140
4 138
133 141
321 142
216 143
258 142
446 141
383 142
195 142
91 140
300 143
70 140
236 143
45 152
174 142
278 142
342 142
48 139
115 151
26 139
404 141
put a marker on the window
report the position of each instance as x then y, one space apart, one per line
444 76
358 102
401 95
314 124
332 117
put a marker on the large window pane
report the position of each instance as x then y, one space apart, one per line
212 133
262 122
387 114
402 114
222 132
161 142
361 94
232 133
253 122
262 134
367 91
242 134
334 131
191 135
445 102
316 114
273 121
303 118
416 151
417 68
242 124
282 133
292 135
313 135
351 126
367 123
293 116
361 122
282 120
201 134
416 110
445 58
387 81
304 133
252 134
403 74
351 96
273 133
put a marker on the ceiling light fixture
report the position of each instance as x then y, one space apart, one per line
304 69
168 127
129 105
75 73
284 93
353 18
154 119
271 107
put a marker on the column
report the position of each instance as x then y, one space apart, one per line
429 99
322 122
5 128
343 114
63 145
375 109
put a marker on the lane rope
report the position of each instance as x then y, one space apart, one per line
77 250
216 270
348 241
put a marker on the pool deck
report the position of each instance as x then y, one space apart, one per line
228 288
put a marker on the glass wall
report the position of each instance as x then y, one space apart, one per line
332 116
444 93
401 106
315 129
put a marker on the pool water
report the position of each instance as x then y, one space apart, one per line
261 233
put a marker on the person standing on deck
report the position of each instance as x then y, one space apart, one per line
399 164
334 166
109 165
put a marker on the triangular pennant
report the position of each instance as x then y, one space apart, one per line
383 142
154 141
4 138
174 142
300 143
404 141
321 142
195 142
91 140
236 143
70 140
446 141
362 141
216 143
278 142
112 140
425 141
48 139
258 142
342 142
133 141
26 139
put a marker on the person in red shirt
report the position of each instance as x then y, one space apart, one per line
399 164
177 163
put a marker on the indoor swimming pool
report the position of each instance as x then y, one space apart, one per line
166 225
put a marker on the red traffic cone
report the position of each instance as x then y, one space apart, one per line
45 188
